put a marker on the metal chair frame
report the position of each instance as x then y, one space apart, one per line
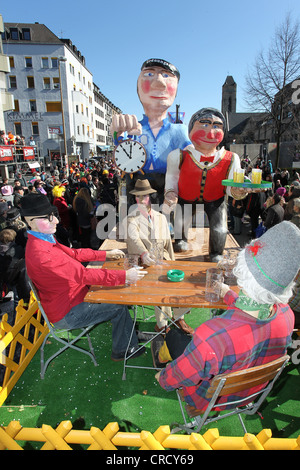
68 343
228 384
152 335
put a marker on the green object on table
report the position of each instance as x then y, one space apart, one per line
247 184
175 275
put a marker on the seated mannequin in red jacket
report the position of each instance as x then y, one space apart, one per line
62 281
194 176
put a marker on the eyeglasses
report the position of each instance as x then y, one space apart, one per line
48 216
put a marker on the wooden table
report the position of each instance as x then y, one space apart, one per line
155 289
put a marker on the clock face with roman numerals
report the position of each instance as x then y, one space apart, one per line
130 156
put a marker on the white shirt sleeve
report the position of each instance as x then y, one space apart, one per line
172 174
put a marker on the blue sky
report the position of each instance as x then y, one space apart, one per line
206 40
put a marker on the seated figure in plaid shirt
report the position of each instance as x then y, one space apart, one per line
255 329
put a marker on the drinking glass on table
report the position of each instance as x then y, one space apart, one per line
131 261
214 280
228 263
156 251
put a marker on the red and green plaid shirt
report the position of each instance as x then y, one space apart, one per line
231 341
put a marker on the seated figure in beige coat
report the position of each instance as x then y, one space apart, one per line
145 227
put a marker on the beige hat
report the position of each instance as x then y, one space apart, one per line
142 187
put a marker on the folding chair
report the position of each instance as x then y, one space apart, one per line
230 384
68 343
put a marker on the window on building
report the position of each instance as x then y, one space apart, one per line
83 130
53 106
26 34
35 128
78 130
12 81
81 108
28 62
46 81
30 82
32 105
18 128
54 62
56 82
12 62
77 108
14 33
16 108
45 62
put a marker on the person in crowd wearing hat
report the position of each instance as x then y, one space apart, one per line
3 214
12 266
255 329
7 192
275 212
15 222
60 203
157 87
194 176
62 281
145 226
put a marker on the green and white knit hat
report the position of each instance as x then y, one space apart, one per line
274 258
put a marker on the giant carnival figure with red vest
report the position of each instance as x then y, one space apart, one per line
194 176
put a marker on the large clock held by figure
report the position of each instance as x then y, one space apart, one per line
130 156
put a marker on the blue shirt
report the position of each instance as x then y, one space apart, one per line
47 237
170 137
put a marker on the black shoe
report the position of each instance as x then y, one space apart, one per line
156 344
133 352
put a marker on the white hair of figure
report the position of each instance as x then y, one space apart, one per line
250 286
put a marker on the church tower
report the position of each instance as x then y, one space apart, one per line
229 96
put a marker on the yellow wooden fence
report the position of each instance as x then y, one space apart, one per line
19 343
63 437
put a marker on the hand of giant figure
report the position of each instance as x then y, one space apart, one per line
157 87
195 176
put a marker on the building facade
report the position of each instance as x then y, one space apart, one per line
54 93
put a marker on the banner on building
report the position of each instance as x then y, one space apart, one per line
6 154
28 153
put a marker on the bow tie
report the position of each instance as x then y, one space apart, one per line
207 159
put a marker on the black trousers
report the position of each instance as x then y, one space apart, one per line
216 212
177 341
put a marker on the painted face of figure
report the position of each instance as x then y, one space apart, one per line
144 201
207 133
43 224
157 87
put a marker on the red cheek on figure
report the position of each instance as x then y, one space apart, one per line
171 89
198 136
145 86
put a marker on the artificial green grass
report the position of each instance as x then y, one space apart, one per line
74 389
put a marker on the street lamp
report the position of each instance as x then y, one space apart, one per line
63 59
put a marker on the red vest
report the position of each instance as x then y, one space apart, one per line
203 184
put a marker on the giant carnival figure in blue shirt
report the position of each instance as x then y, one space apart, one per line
157 87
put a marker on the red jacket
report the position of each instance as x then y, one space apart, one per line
62 281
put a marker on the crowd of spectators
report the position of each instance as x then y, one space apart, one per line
17 140
267 208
